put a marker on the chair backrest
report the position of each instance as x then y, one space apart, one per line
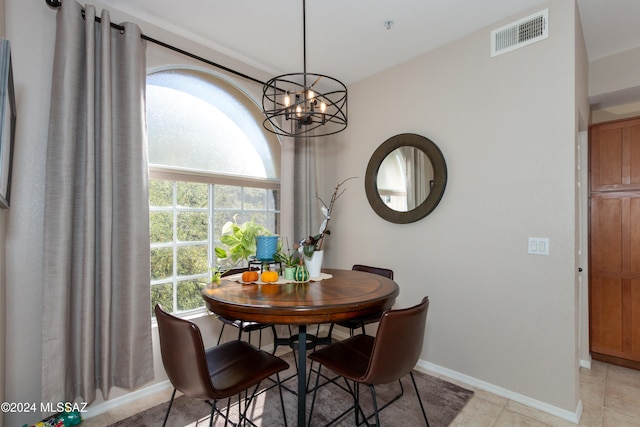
375 270
234 271
398 344
183 355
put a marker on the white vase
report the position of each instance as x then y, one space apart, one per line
314 264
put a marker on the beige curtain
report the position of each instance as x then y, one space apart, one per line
418 176
96 313
306 211
300 207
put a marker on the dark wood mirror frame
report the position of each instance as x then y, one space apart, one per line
437 189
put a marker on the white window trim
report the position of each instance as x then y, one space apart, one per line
184 174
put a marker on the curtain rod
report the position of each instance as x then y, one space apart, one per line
58 3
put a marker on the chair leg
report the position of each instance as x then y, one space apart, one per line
284 412
215 410
226 417
275 339
333 380
243 413
330 332
359 409
375 405
166 417
315 391
246 404
213 413
399 395
309 376
221 332
329 380
424 414
240 334
356 402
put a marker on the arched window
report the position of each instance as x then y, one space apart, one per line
210 162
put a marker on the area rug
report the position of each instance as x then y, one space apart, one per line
442 401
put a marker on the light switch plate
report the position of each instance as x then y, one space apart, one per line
539 245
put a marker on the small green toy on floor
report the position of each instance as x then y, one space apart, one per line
62 419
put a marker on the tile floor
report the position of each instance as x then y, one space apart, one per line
610 397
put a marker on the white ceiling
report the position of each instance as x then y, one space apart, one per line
348 40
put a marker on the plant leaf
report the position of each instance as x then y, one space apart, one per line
220 253
309 250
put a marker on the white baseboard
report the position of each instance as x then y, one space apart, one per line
573 417
107 405
585 363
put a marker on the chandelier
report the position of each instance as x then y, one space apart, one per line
304 104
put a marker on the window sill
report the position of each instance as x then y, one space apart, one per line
189 315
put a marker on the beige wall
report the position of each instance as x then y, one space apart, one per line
614 86
30 27
600 114
2 20
614 73
508 129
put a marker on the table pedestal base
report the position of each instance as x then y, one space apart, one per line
302 342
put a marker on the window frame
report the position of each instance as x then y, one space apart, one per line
169 173
244 97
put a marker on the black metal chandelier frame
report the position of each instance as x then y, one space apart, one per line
304 104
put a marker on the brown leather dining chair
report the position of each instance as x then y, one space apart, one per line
247 327
354 324
216 373
385 358
360 322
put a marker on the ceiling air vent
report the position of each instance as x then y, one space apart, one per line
521 33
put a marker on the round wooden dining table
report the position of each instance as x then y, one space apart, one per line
340 295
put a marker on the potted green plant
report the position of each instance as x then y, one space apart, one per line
239 242
289 261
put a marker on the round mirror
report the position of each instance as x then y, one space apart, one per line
405 178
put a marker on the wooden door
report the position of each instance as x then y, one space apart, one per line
614 154
614 245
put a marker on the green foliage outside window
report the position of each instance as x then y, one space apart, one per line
189 294
193 194
180 236
160 193
161 227
161 263
192 260
192 226
188 249
162 294
228 197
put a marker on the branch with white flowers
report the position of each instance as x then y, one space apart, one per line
314 243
